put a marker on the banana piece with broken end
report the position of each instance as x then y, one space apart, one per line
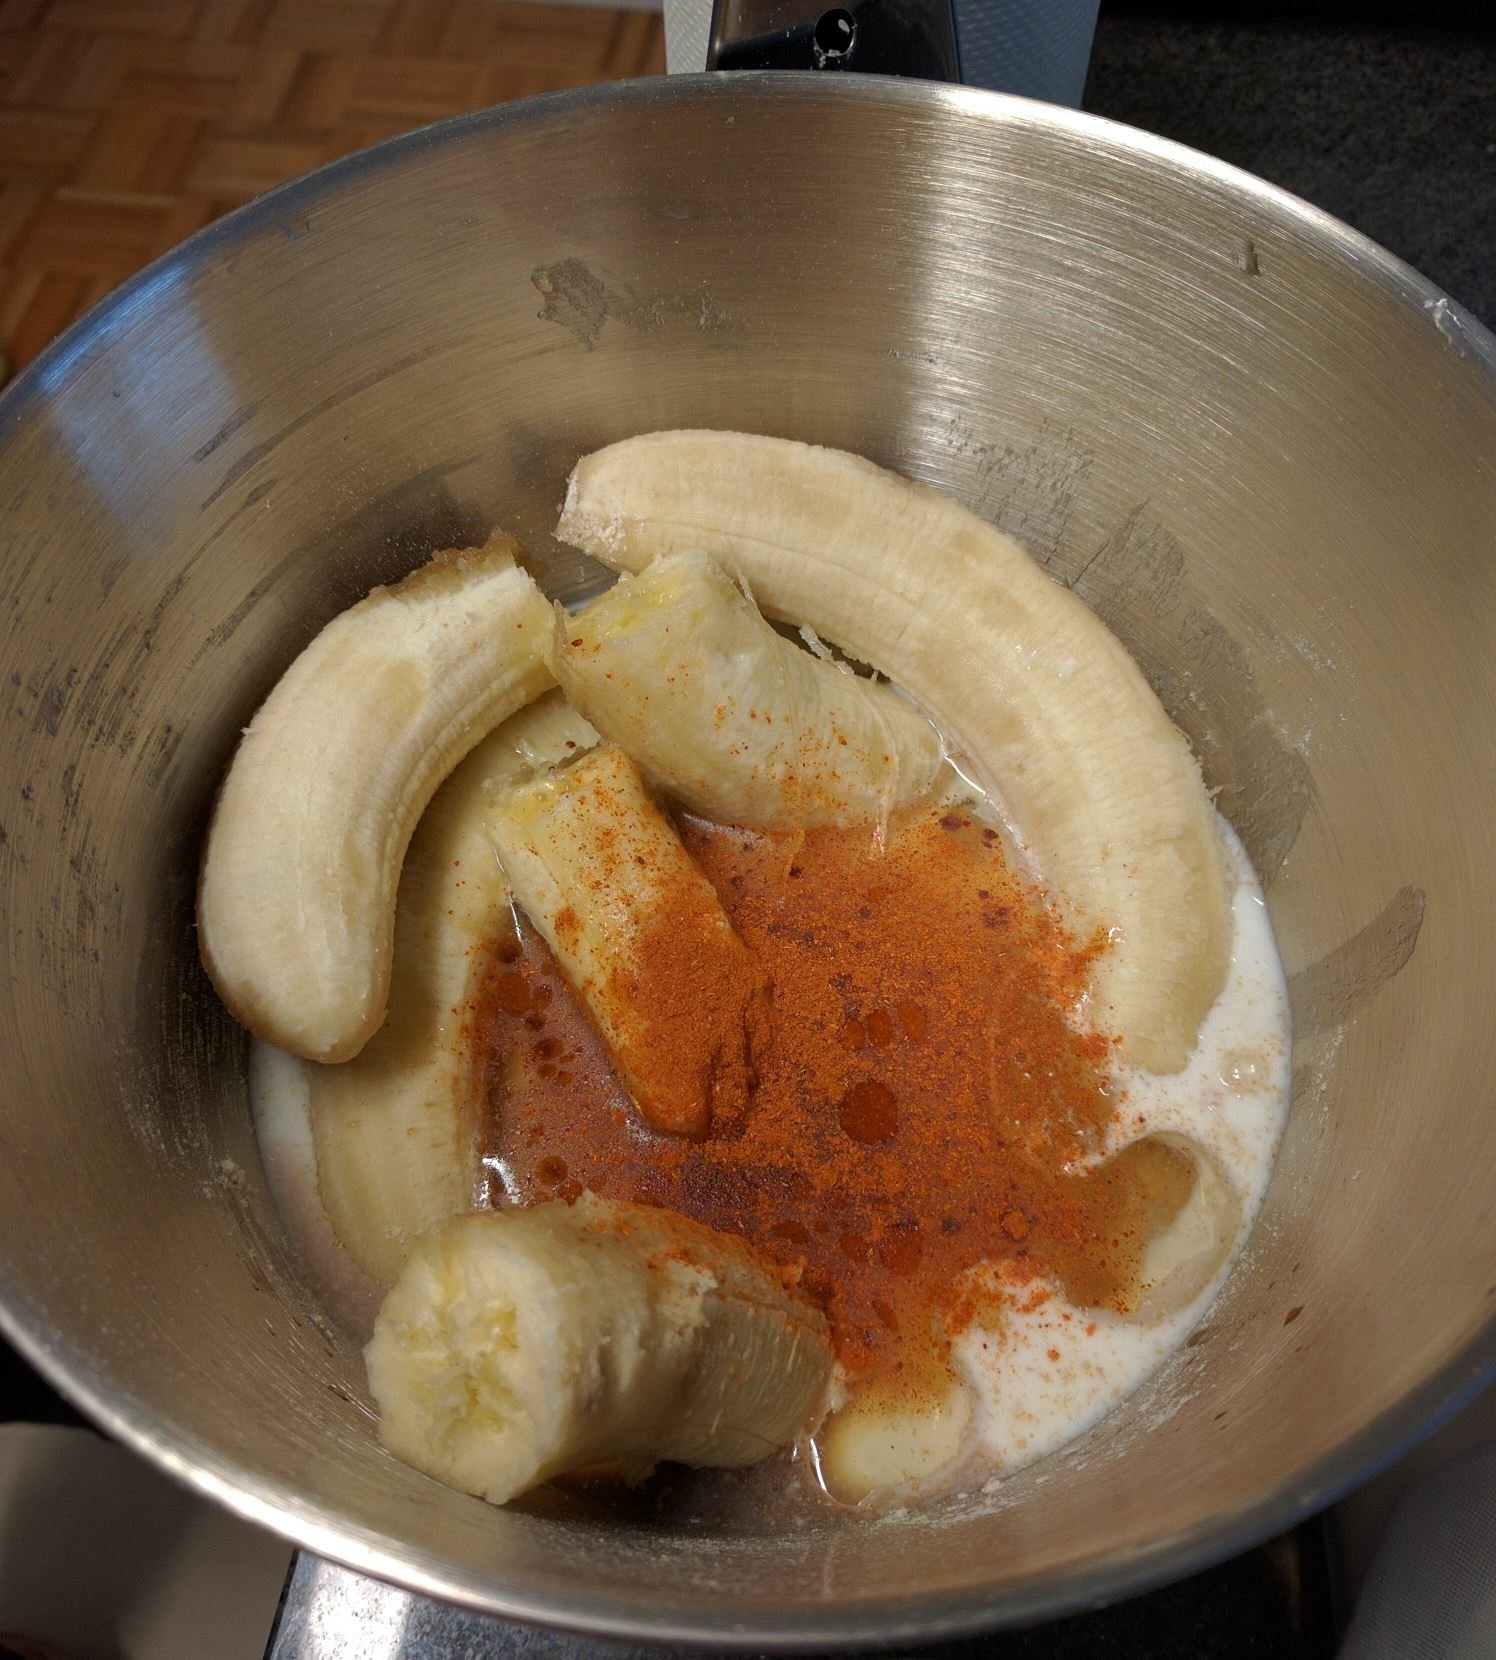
640 935
677 666
296 898
1018 674
519 1345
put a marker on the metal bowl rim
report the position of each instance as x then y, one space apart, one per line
943 1615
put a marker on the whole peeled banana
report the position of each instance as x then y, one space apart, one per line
296 897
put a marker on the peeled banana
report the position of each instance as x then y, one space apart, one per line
396 1129
1098 785
640 935
677 666
296 898
519 1345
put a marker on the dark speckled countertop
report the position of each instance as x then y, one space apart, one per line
1388 125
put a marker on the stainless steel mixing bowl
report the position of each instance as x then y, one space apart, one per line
1260 447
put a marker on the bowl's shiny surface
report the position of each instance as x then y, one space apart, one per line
1262 449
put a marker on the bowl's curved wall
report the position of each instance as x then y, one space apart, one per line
1265 452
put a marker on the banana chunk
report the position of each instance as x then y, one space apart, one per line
519 1345
873 1450
396 1129
296 898
678 667
640 935
1021 677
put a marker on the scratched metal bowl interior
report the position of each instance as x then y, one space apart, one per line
1263 451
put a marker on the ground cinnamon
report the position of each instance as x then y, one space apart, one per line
924 1090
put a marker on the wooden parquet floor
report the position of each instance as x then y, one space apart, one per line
127 124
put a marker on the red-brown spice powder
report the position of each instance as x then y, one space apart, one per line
924 1092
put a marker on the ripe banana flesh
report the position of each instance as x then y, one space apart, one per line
396 1129
296 900
1187 1253
678 667
519 1345
1098 785
871 1448
639 933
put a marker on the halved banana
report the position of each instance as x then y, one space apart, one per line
396 1129
1019 675
678 667
519 1345
640 935
296 899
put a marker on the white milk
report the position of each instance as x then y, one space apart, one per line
1232 1100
